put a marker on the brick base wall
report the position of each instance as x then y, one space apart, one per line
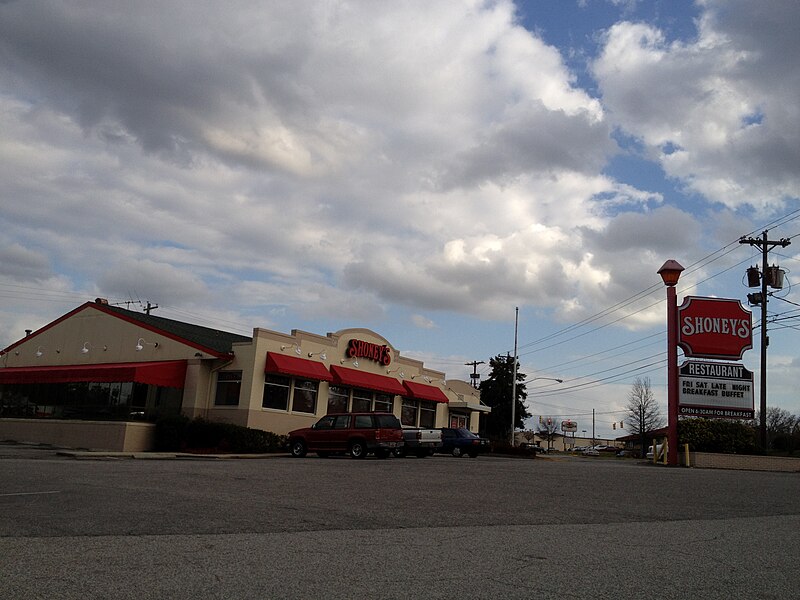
706 460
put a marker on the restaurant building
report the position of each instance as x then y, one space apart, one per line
101 375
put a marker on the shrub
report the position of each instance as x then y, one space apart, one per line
177 433
170 433
716 435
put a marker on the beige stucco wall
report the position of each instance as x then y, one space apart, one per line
110 340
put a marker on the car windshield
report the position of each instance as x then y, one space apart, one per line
466 433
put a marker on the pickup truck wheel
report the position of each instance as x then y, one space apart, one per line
298 448
358 449
456 451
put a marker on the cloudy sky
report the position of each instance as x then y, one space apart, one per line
418 168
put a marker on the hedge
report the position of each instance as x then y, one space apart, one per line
181 434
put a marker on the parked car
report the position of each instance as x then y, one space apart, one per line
419 442
358 434
460 441
591 452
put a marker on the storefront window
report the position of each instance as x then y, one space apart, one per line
337 399
104 401
408 414
362 400
427 414
229 384
457 420
383 403
304 398
276 392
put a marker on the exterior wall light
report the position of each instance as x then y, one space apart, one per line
140 344
321 354
296 347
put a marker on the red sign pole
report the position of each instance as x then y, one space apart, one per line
670 272
672 376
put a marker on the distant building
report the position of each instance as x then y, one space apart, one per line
100 376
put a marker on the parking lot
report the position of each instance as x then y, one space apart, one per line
438 527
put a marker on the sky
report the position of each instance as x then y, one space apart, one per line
419 169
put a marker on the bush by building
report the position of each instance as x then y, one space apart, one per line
199 435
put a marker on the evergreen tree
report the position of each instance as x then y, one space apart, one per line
496 393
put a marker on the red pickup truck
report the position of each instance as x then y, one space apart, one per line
358 434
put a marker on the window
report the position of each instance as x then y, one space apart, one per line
229 384
362 400
458 420
304 398
427 414
342 422
337 399
324 423
383 403
408 414
363 422
276 392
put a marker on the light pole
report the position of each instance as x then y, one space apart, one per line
670 272
534 379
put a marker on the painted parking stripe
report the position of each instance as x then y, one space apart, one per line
32 493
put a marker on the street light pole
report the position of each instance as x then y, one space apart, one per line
514 377
670 273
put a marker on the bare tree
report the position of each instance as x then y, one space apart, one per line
643 413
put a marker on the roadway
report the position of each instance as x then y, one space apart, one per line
439 527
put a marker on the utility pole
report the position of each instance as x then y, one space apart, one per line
150 307
474 375
765 245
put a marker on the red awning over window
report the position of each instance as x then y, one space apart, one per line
297 367
424 392
170 373
370 381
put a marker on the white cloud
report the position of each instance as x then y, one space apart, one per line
719 113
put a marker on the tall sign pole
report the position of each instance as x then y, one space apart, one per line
670 272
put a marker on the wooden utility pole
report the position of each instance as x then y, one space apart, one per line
765 245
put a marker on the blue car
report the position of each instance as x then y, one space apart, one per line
459 441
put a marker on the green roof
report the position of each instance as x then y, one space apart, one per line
215 339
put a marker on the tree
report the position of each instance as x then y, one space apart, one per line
496 393
643 413
547 429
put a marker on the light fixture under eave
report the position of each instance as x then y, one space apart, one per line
39 351
424 377
321 354
141 343
297 349
354 363
401 374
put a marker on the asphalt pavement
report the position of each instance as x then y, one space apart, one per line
442 527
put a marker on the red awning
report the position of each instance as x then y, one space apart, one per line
424 392
370 381
297 367
170 373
